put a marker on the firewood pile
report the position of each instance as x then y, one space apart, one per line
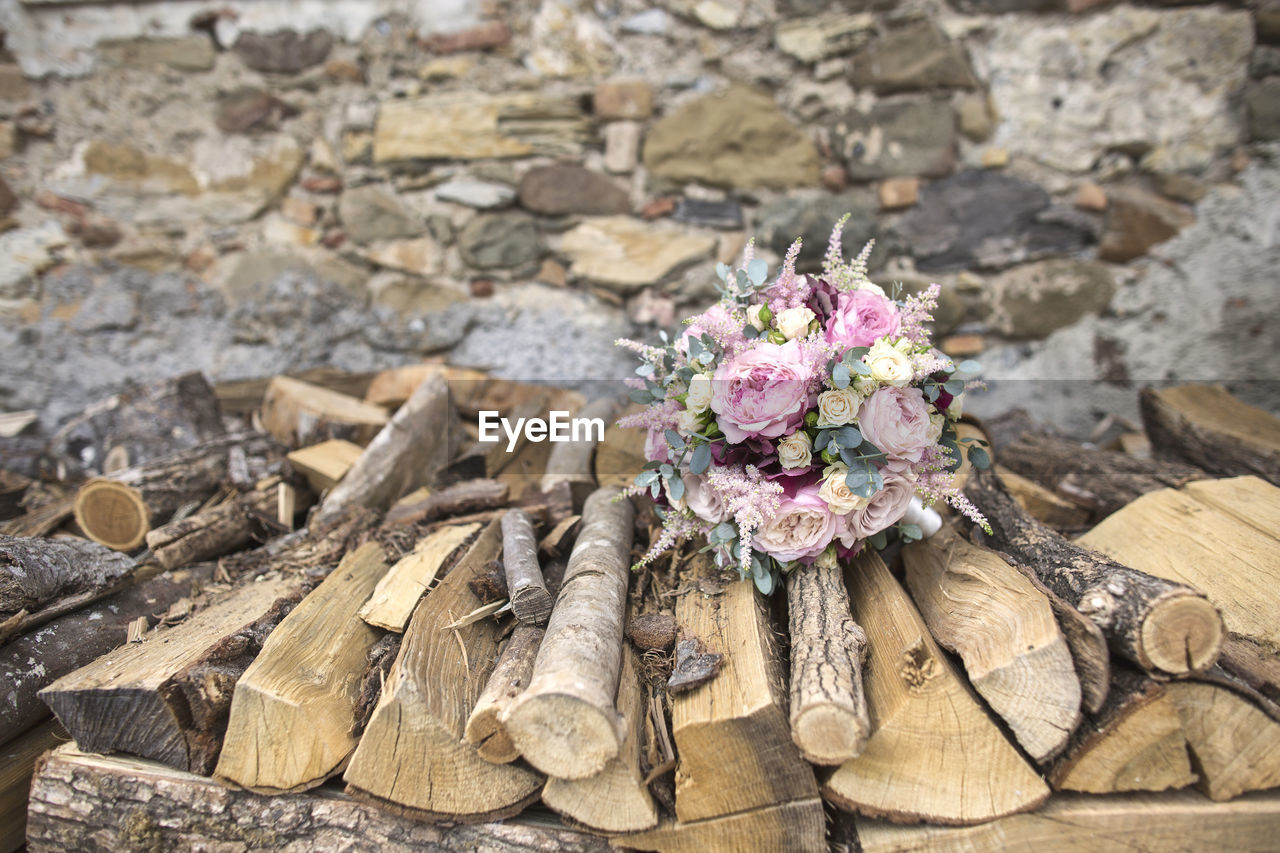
318 612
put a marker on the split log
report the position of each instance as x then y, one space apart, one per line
46 507
1205 426
393 386
244 396
224 528
35 572
34 660
1101 481
570 466
469 496
298 413
1236 746
141 424
95 802
616 799
119 510
530 600
1004 631
1080 823
487 458
16 423
17 763
735 727
1042 504
783 828
167 697
620 457
828 706
25 455
1157 624
508 680
293 709
934 755
326 463
396 596
408 453
414 758
565 723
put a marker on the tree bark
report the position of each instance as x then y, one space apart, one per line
570 466
17 763
459 499
530 600
35 572
214 532
508 680
1206 426
781 828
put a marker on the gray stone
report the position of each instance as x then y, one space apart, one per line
563 189
898 137
811 216
284 51
726 215
985 219
650 22
1031 301
412 297
500 241
1265 61
482 195
1138 220
816 39
1263 104
24 254
185 53
917 56
251 110
1266 19
371 213
107 309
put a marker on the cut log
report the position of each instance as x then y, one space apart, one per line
530 600
1249 499
1078 823
487 458
735 727
414 757
293 709
1101 481
96 802
397 594
1205 426
225 528
828 705
407 454
141 424
46 508
508 680
620 457
393 386
167 697
17 763
298 414
1157 624
34 660
244 396
565 723
120 509
326 463
616 799
1042 504
34 572
16 423
782 828
934 755
469 496
1236 746
1004 631
571 465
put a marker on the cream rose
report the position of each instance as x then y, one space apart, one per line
957 407
936 423
754 318
827 559
872 287
796 450
802 527
835 491
838 407
794 322
689 422
704 501
889 365
699 395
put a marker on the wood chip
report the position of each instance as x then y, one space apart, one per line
694 666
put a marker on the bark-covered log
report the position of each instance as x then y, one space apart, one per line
34 572
508 680
570 467
225 528
1206 426
18 759
138 425
565 723
1157 624
463 498
486 458
828 706
530 600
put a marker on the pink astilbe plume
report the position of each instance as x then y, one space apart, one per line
750 498
724 327
662 416
788 290
677 527
936 484
917 312
930 362
648 353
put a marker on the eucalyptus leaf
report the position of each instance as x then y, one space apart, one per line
666 471
979 458
849 436
722 272
878 540
840 375
674 441
954 387
641 396
701 459
757 271
675 488
646 478
910 531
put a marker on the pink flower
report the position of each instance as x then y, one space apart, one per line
885 509
802 527
896 420
861 318
656 448
703 500
762 392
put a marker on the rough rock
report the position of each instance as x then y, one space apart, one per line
106 309
1266 17
13 83
811 217
623 99
563 189
185 53
251 110
816 39
8 201
420 256
988 220
912 136
500 241
284 51
1263 104
736 138
485 36
1128 78
1034 300
24 254
725 215
724 14
1136 221
975 116
371 213
412 297
476 126
650 22
568 41
482 195
621 146
917 56
628 254
897 193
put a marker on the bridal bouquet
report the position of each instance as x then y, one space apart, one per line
800 417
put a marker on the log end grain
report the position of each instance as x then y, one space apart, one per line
829 734
1182 633
487 734
112 514
563 735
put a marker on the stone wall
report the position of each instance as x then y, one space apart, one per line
248 187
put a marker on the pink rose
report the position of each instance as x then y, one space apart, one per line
896 420
802 527
763 392
861 318
705 502
885 509
656 448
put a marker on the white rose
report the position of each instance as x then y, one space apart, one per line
889 365
936 423
699 396
704 501
865 386
796 450
827 559
689 422
838 407
753 316
957 407
835 491
794 322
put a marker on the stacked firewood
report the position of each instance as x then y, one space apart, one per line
330 584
